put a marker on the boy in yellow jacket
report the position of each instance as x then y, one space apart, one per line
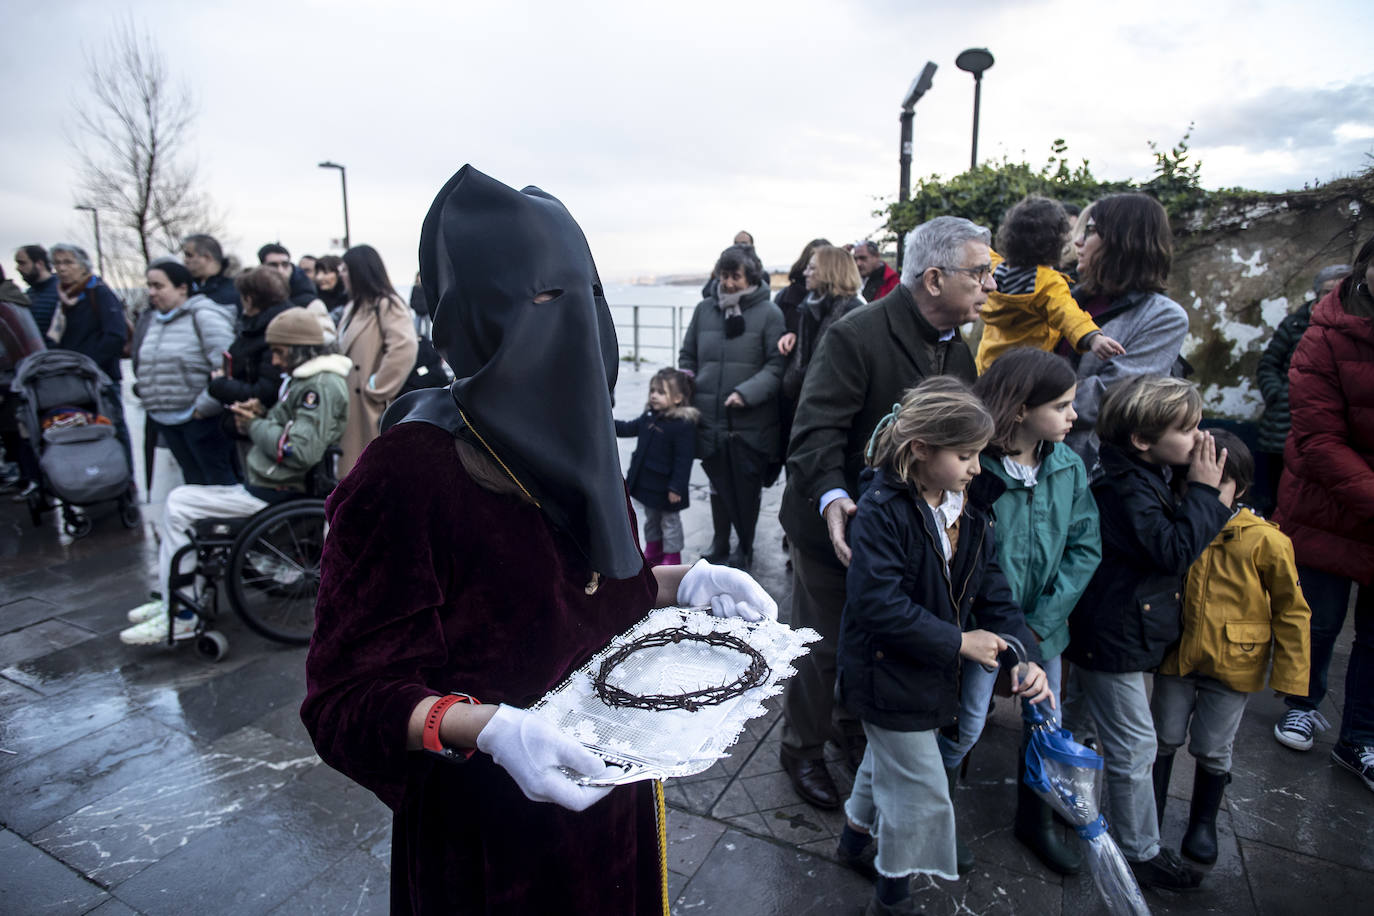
1032 305
1241 605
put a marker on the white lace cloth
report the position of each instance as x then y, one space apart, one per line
656 744
1018 471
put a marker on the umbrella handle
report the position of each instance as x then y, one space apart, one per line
1016 647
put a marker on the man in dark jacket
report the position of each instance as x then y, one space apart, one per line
860 368
879 279
275 255
33 265
206 261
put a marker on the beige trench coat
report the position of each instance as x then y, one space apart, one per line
381 343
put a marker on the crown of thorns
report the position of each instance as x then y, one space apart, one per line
752 676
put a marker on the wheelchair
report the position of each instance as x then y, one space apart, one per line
268 563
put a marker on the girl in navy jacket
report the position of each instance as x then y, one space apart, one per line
662 462
924 565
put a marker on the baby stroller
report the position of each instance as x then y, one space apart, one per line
65 416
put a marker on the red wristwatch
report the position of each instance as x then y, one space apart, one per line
430 737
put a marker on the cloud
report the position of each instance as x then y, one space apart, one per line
1291 118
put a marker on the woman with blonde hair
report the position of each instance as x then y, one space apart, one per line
377 334
832 284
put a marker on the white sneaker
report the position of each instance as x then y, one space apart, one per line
1296 728
147 612
153 631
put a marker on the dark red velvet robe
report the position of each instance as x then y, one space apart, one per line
432 584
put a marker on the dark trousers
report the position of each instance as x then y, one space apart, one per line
1328 594
736 475
810 714
202 449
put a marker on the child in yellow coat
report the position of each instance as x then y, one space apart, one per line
1242 605
1032 306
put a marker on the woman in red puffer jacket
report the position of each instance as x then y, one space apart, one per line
1326 505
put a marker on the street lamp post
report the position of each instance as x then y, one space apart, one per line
95 217
343 179
919 87
975 61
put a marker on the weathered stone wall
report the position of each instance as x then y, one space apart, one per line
1242 265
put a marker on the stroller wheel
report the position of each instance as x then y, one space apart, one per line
212 646
130 515
78 526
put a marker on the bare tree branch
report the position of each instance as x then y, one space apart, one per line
132 132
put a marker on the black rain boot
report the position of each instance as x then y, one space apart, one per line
1034 827
1163 770
963 856
1200 842
720 524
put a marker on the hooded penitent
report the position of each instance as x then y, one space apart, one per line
534 380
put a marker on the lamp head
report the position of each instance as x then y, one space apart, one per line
974 60
919 86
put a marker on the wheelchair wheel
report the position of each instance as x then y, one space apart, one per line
274 570
212 646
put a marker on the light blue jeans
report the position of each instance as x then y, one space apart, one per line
902 799
975 695
1118 704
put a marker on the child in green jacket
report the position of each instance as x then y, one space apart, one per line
1048 544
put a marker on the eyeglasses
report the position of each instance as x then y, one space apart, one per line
979 273
1090 228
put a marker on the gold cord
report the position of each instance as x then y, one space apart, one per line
661 815
492 452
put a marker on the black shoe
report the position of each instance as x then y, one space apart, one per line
904 907
717 553
1167 871
813 782
741 559
861 862
1200 841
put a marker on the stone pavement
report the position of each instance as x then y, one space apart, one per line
150 781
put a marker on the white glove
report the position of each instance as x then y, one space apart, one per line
730 592
531 751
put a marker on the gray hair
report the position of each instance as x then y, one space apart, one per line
76 251
1327 274
939 243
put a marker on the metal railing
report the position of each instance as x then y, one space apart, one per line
651 331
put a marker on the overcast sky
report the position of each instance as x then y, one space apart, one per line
665 128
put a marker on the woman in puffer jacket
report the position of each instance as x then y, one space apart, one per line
181 346
1326 505
731 347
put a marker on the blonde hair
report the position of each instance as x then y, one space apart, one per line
941 412
836 273
1147 406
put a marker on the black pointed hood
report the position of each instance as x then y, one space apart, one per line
534 381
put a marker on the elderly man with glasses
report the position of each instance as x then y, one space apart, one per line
861 367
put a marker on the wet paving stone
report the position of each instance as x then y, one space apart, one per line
39 639
33 883
84 771
357 885
32 725
744 874
21 613
220 705
264 855
143 821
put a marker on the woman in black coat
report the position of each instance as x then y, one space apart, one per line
249 372
731 349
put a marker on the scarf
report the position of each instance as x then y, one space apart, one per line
728 303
